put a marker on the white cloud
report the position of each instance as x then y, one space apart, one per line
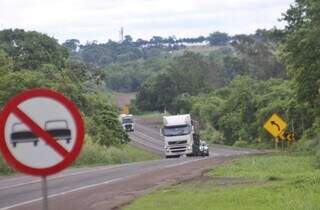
102 19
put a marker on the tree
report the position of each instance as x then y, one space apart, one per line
141 42
72 44
156 40
127 38
259 56
30 50
190 73
157 93
300 51
6 63
218 38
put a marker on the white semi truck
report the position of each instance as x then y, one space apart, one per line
126 121
181 136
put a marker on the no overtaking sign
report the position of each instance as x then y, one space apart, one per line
41 132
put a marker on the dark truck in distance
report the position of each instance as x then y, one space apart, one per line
58 129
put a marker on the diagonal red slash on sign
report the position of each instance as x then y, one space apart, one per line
37 130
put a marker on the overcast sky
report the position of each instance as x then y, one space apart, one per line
101 20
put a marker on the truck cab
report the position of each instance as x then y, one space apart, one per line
179 136
126 121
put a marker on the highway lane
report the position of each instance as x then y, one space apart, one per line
20 191
26 189
150 139
147 139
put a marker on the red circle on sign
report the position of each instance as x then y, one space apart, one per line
68 104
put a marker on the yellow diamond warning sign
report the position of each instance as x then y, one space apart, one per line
275 125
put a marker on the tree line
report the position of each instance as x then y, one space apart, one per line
34 60
128 50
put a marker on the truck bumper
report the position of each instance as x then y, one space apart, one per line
177 151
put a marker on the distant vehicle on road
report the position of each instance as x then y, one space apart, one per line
181 136
126 121
57 128
203 148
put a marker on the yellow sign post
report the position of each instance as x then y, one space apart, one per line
275 125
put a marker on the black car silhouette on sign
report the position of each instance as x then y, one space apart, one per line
58 129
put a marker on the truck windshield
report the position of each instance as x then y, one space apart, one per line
176 130
126 120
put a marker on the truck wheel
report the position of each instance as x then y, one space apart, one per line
35 143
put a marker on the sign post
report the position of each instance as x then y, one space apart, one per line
44 187
41 133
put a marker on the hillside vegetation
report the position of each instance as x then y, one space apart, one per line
233 90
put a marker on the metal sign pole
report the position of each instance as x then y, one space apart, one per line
44 193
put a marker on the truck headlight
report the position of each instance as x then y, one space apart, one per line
188 147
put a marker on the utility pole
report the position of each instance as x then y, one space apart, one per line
121 34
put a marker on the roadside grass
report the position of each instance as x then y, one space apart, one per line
93 155
278 182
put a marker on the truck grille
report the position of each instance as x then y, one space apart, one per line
128 126
177 142
178 149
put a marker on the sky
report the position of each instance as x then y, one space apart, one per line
101 20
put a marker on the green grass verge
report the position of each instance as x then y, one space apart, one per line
93 154
254 183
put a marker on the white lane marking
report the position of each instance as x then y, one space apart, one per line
59 194
59 176
73 174
93 185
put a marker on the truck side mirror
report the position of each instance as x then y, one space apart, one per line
161 132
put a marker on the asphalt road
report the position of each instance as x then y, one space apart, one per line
24 192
